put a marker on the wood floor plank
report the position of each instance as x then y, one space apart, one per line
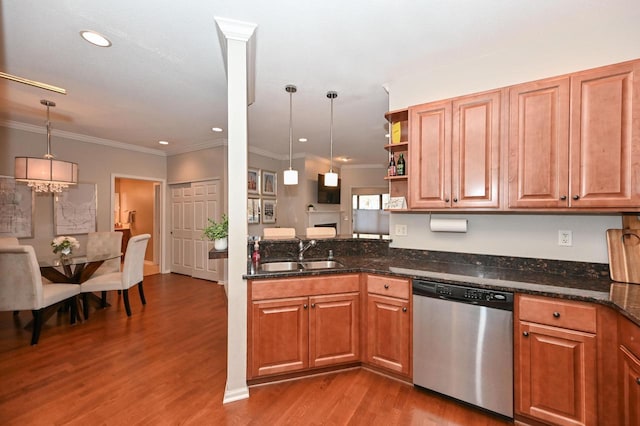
166 365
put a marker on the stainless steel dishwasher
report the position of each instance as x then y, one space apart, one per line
463 344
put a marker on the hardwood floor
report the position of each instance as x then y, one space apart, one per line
166 365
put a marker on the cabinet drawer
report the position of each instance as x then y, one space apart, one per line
388 286
304 286
629 335
559 313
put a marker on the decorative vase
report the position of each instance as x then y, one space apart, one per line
220 244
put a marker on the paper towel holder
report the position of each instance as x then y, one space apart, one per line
448 225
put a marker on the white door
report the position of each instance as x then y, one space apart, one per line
206 205
191 205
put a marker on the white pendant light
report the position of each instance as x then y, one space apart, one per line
46 174
290 176
331 178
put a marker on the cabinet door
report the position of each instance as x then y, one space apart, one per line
388 322
629 388
430 156
279 336
334 334
605 137
556 375
539 144
475 150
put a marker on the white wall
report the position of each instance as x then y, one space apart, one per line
95 165
513 234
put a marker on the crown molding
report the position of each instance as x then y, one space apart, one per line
82 138
197 146
363 166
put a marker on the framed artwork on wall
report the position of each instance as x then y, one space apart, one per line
269 183
253 211
253 181
268 211
16 208
74 210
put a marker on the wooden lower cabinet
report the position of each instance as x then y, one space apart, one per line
555 367
293 334
629 387
389 324
388 332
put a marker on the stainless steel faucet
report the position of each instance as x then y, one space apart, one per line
302 247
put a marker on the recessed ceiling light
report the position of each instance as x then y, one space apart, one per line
345 159
302 140
163 143
216 129
95 38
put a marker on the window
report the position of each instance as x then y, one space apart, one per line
369 220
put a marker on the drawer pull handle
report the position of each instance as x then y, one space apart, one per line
386 286
313 305
405 310
556 314
525 334
304 306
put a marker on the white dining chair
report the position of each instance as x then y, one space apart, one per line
105 242
21 287
132 274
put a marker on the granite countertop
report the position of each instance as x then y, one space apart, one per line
590 286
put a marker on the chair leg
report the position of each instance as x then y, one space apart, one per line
74 309
85 305
103 300
37 326
141 291
127 307
16 313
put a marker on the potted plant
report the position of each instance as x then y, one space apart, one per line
218 232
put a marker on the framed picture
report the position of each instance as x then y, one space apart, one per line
16 208
74 210
268 211
253 210
253 181
269 183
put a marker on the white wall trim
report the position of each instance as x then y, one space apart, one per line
82 138
235 394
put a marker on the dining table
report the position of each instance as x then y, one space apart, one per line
74 269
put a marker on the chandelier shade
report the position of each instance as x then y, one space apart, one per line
46 174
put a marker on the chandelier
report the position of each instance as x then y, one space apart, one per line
46 174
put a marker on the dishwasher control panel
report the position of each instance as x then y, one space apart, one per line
465 294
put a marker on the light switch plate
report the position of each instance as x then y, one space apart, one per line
565 238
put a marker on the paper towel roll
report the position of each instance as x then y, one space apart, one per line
448 225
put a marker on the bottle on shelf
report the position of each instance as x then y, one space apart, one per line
392 166
401 169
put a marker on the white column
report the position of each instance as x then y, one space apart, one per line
237 48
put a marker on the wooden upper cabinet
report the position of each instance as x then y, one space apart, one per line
455 153
538 147
475 150
430 159
605 137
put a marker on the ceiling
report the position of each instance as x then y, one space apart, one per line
164 79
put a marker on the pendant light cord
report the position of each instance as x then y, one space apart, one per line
331 95
290 126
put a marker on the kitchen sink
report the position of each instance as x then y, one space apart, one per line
321 264
279 266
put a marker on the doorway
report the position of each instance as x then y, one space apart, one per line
138 209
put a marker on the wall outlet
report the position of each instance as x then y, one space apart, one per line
401 230
565 238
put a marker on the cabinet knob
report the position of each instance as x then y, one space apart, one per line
313 305
525 334
576 197
638 380
304 306
405 310
556 314
563 197
455 200
386 286
446 200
